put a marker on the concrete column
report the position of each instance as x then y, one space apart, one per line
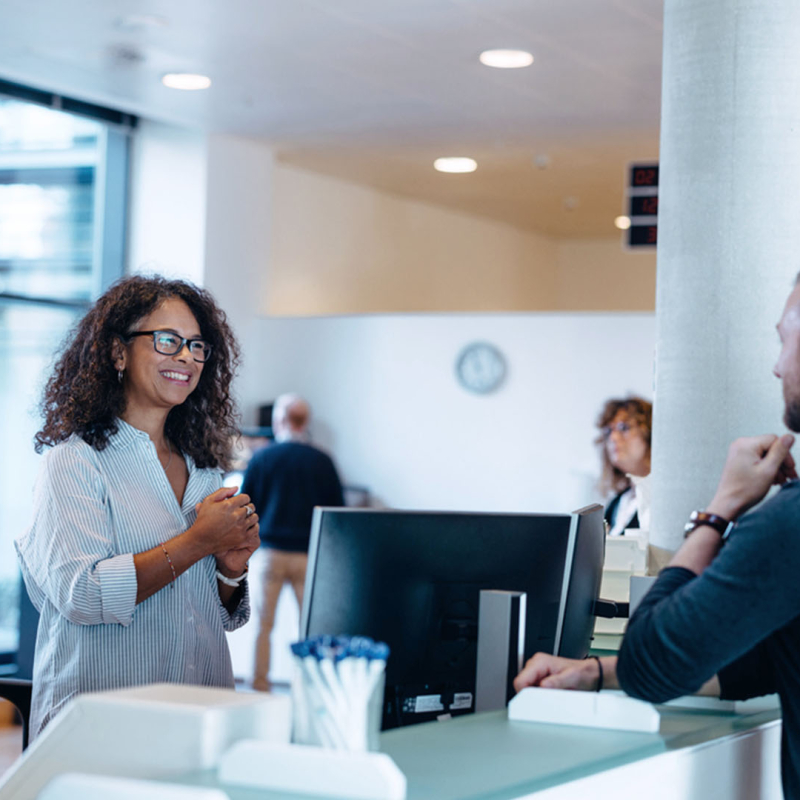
729 222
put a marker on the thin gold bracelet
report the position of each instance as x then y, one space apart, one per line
171 566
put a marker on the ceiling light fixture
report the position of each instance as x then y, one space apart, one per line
455 164
506 59
623 223
187 81
141 21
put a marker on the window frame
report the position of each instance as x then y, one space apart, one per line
110 216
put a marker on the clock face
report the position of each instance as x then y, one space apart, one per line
480 367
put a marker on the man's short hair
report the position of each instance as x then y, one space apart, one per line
291 408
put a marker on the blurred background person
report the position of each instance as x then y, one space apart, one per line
625 430
285 481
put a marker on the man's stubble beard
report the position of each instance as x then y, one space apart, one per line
791 415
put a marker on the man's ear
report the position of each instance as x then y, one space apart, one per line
118 354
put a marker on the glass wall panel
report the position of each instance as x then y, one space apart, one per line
54 194
29 338
48 164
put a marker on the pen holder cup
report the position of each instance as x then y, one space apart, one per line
338 707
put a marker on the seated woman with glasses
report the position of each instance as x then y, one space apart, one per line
137 557
625 426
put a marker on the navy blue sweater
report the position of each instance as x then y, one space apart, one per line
740 619
285 481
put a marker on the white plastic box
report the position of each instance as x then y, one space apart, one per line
154 732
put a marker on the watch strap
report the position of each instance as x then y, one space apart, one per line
698 519
232 581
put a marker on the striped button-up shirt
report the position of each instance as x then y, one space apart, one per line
93 510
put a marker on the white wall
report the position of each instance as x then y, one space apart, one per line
166 229
388 407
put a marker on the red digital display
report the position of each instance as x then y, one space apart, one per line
643 206
642 201
639 235
644 175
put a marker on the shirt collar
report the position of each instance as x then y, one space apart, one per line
127 434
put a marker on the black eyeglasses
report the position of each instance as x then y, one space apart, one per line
620 427
169 344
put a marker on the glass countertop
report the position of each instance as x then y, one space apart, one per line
487 757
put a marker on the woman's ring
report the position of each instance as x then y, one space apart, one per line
249 508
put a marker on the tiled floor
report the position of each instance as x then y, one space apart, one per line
10 746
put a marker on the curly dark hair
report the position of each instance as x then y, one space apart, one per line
639 411
84 397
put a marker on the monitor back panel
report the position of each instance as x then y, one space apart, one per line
412 579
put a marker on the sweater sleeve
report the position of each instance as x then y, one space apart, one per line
255 483
334 489
751 675
688 627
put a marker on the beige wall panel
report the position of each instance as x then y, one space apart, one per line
339 248
598 275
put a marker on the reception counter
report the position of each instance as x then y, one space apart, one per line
696 755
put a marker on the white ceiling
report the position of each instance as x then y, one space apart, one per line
374 90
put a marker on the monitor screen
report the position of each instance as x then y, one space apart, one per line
413 578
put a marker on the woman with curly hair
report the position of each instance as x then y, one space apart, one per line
137 557
625 430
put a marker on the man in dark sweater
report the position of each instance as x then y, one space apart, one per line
285 482
727 618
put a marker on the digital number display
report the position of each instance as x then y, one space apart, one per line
643 206
644 175
639 235
642 201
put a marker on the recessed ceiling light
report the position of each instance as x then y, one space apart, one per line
623 223
506 59
187 81
140 21
458 164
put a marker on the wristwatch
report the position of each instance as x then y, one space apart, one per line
232 581
698 519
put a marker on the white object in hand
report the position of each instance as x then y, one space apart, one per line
587 709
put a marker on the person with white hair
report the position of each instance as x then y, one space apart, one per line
285 481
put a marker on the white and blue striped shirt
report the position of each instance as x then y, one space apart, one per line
93 510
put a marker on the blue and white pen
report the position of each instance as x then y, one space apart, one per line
338 683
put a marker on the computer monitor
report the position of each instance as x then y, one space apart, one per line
413 578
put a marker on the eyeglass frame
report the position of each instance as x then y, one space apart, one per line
183 344
623 427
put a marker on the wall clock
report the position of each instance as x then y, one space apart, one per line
480 367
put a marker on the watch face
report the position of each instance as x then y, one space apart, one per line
480 367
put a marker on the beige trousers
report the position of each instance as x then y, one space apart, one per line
280 567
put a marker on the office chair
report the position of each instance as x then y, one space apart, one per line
18 692
19 688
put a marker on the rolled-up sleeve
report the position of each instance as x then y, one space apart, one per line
231 622
67 556
690 627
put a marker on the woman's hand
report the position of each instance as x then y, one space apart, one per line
225 522
232 563
554 672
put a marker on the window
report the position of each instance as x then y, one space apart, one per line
62 221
